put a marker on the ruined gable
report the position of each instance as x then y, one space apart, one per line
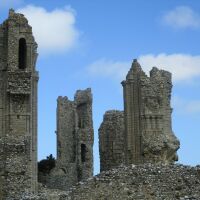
143 132
148 131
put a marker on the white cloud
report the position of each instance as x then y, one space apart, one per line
183 67
182 17
53 30
184 106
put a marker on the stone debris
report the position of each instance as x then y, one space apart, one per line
146 181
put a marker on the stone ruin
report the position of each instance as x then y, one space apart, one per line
75 137
18 120
18 107
111 140
147 112
141 134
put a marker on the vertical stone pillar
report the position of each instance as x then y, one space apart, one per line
132 114
85 133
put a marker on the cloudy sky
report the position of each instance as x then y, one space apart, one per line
92 43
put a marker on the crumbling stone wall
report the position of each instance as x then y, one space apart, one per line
75 137
18 107
143 132
147 116
111 140
85 133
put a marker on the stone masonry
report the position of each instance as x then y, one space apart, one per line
147 116
111 140
143 132
75 137
18 107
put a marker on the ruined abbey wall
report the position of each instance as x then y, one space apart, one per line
75 138
144 128
147 112
18 107
111 140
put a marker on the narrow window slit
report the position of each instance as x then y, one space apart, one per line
22 54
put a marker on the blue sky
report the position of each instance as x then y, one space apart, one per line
92 43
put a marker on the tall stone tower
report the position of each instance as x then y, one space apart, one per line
18 107
147 117
85 133
75 137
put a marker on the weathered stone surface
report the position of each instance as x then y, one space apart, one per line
147 181
111 140
147 116
18 108
75 137
19 82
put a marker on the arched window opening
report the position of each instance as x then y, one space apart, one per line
83 152
22 54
